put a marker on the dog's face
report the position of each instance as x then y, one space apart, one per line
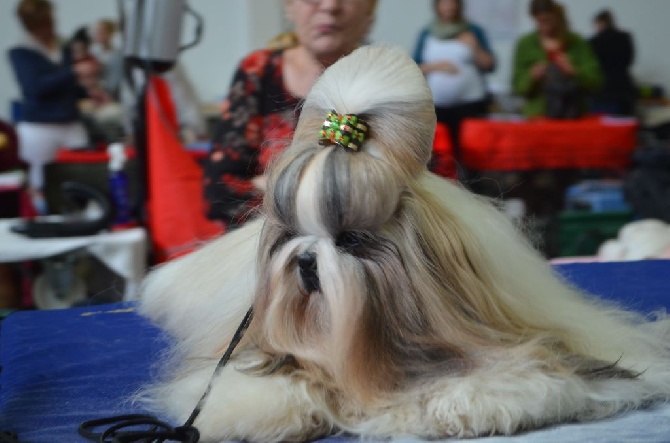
346 285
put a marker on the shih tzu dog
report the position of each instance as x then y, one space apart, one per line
387 301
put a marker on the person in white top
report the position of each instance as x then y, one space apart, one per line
454 54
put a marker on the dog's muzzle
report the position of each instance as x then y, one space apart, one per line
308 272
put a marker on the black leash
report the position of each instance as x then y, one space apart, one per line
124 428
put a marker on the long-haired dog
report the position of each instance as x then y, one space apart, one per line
388 301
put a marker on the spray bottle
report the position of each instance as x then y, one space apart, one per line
118 184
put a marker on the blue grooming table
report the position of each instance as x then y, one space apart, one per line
60 368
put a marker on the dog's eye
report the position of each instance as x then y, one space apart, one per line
350 240
281 241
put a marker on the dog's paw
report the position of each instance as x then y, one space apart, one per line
491 402
247 407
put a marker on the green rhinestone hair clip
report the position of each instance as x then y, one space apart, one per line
348 131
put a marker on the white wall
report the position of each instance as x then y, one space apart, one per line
399 22
232 29
235 27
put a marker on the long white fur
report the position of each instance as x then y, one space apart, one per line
201 298
531 287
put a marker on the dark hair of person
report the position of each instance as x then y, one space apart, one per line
460 16
81 35
606 18
551 7
34 13
542 7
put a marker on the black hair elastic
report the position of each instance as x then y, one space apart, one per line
124 428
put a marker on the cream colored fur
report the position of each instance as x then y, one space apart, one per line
433 316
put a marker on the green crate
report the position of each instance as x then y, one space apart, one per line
581 233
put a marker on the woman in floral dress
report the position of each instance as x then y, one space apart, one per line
260 112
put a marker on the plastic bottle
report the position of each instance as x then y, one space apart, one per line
118 184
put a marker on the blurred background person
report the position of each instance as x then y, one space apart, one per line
259 113
554 68
48 80
454 54
80 47
615 51
108 55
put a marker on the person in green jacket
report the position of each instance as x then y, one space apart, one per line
554 68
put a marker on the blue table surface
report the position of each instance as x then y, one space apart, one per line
60 368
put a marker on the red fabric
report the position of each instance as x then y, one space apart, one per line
26 207
100 155
9 161
555 55
591 142
443 155
176 207
86 156
9 148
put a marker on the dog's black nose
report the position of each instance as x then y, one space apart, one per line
307 260
308 271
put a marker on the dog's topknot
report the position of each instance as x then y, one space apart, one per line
328 190
386 86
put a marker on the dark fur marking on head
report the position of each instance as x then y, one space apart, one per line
334 191
281 240
362 244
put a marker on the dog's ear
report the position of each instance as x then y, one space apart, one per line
454 261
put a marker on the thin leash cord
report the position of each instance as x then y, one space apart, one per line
161 431
241 329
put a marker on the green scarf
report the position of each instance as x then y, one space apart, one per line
445 31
